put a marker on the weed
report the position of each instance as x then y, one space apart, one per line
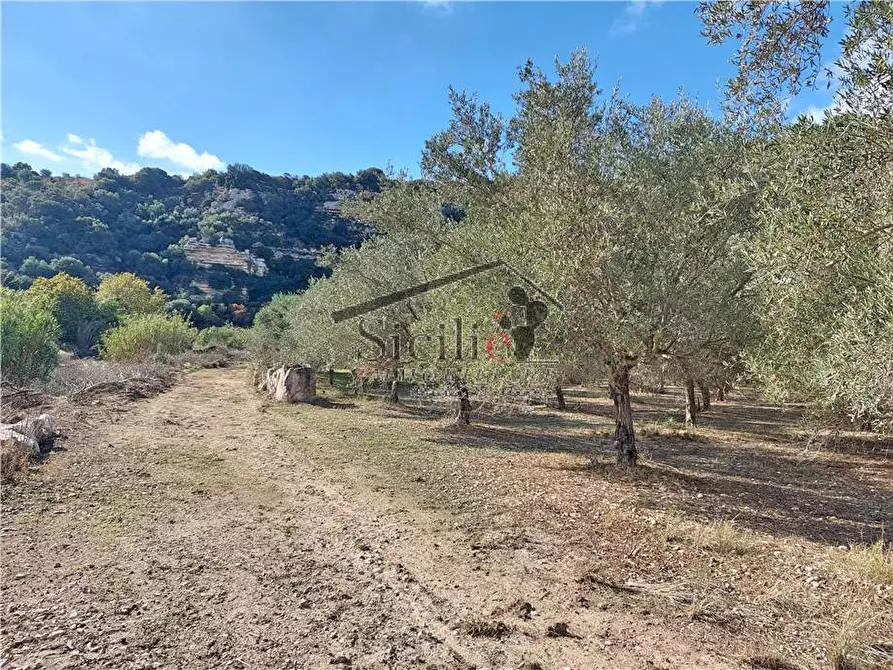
496 630
13 461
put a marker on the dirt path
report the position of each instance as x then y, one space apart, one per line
197 529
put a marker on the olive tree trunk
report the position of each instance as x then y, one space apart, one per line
394 395
624 433
464 415
691 404
559 394
721 393
704 388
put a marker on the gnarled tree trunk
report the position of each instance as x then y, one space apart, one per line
624 433
464 415
704 388
394 395
559 394
691 404
721 393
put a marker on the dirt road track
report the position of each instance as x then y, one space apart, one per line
198 530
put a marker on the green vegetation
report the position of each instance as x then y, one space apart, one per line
679 247
81 319
130 294
224 336
145 337
670 245
140 223
28 338
779 52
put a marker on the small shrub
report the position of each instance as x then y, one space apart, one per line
231 337
69 300
28 349
146 337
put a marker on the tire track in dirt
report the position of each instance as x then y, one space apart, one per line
194 530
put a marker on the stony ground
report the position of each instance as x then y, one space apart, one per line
207 528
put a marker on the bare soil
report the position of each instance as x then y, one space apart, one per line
206 527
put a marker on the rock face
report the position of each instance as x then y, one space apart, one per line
290 384
34 433
225 254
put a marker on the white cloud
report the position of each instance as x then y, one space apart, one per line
96 158
33 148
631 19
156 144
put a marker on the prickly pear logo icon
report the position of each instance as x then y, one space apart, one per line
521 321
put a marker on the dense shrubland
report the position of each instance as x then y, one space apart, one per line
115 223
28 338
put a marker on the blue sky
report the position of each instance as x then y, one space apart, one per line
307 88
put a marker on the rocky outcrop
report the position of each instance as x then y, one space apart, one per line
224 254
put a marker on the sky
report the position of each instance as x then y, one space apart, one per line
307 88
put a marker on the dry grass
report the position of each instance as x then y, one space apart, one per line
722 537
14 458
77 375
857 643
872 563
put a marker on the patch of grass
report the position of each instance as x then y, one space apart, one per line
854 645
667 428
723 537
871 563
14 459
849 654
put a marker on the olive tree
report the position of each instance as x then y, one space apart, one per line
633 216
779 50
823 266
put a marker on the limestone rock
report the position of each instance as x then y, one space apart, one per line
291 384
35 433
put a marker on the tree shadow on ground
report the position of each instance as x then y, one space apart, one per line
743 464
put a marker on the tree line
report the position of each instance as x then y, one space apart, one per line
681 246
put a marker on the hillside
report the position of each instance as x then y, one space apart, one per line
217 238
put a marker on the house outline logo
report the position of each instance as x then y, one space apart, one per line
522 330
